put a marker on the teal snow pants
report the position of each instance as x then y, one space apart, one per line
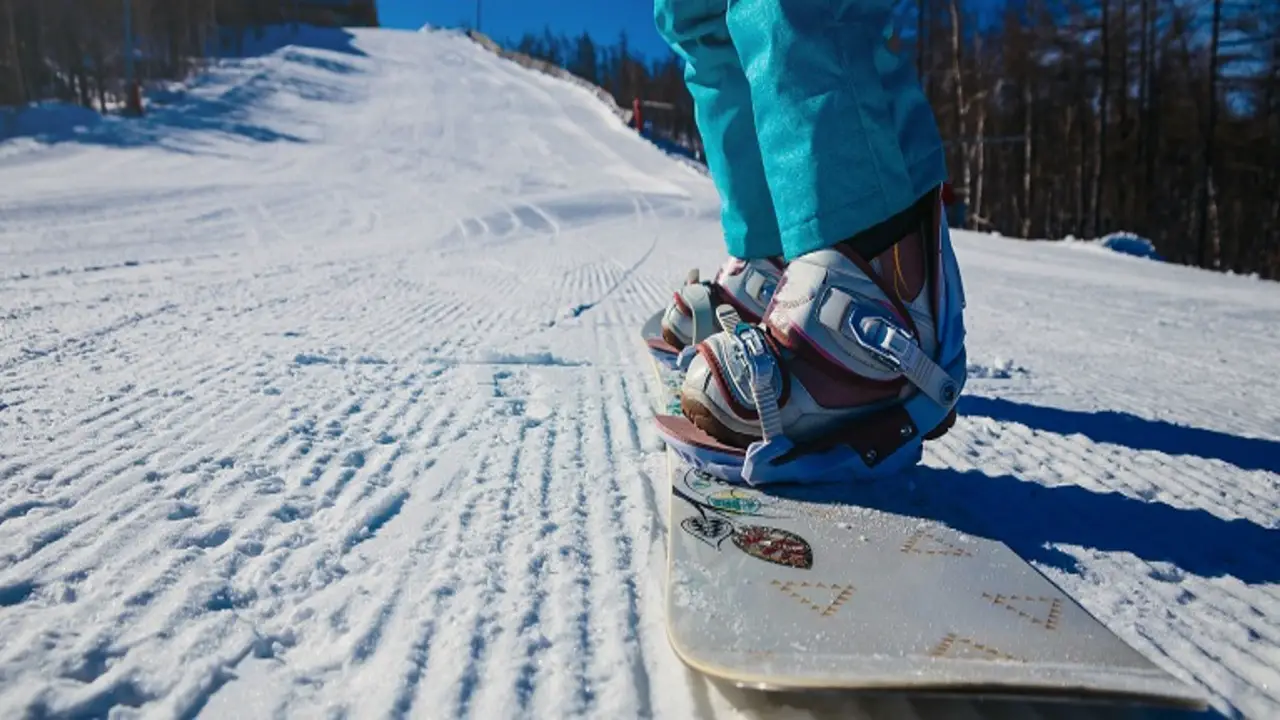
813 129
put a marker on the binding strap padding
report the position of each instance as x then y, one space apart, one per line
870 243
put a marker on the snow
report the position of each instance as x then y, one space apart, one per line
321 396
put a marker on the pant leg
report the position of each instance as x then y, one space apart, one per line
696 31
847 136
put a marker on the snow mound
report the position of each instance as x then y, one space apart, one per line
1124 243
1128 243
997 369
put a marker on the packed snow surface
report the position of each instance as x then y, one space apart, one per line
321 395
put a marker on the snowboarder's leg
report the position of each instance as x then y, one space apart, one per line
696 31
860 355
847 136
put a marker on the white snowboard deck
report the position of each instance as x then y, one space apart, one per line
787 593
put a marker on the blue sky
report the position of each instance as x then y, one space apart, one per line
510 19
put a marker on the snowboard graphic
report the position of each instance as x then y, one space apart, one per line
803 588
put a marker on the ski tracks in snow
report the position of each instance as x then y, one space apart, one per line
321 475
355 492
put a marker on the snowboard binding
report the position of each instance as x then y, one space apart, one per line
857 359
854 450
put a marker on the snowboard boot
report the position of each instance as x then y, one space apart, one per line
858 358
744 285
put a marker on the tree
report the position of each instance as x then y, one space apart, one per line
1209 243
585 63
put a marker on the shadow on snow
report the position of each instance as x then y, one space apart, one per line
1131 431
1030 517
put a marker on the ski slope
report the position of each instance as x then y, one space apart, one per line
321 395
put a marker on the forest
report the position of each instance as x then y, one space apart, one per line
1061 117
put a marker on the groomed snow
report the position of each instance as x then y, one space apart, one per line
321 396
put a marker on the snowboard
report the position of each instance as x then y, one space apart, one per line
807 588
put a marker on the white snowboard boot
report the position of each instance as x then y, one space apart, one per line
858 359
